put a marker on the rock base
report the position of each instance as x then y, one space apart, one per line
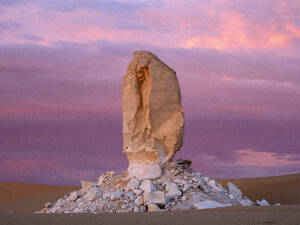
178 188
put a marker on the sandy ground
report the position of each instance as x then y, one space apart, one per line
274 215
23 197
19 200
279 189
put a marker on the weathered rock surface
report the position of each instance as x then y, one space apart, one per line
153 208
93 193
156 197
173 190
116 195
147 186
133 184
106 177
153 119
73 196
86 184
139 201
263 202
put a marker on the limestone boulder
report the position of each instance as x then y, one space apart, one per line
48 205
157 197
153 208
116 195
130 195
234 192
263 202
93 193
106 177
147 186
173 190
246 202
153 119
85 185
73 196
139 201
133 184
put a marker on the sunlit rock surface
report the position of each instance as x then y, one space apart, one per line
153 119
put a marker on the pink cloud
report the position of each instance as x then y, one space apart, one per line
220 25
249 157
229 32
235 30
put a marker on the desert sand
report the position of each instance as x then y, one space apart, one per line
276 189
285 215
24 197
18 201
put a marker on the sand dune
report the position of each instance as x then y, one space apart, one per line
23 197
278 189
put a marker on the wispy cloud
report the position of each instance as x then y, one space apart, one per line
70 77
221 25
249 157
31 37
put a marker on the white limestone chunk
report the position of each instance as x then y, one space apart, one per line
246 202
93 193
105 177
173 191
137 191
153 207
73 196
133 184
207 204
234 191
157 197
187 187
139 201
263 202
147 186
85 185
116 195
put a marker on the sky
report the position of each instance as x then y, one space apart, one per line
61 65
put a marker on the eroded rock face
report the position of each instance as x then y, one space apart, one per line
153 120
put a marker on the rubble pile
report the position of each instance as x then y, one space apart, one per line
179 188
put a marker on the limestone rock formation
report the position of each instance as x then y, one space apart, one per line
153 125
153 120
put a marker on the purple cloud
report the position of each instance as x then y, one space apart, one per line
31 37
9 25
